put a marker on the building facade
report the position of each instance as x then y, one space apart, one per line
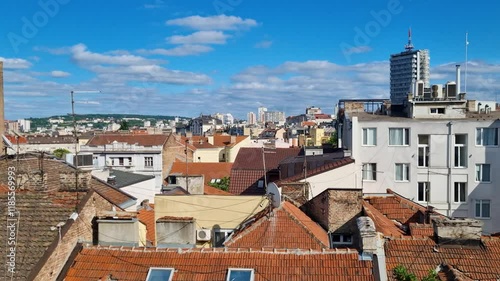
406 69
446 160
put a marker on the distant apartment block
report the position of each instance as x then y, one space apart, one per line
251 118
277 117
261 118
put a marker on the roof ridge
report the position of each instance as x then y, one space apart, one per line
252 226
299 222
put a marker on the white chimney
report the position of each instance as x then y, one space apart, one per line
458 80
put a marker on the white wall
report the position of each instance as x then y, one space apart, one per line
342 177
441 148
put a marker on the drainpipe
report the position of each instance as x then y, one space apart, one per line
450 153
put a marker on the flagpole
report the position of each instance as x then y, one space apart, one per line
466 61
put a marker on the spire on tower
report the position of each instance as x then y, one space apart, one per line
409 46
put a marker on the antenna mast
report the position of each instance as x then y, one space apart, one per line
409 46
466 61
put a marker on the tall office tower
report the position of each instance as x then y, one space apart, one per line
407 68
261 117
251 118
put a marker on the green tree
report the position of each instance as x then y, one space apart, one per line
124 125
333 139
222 185
60 152
402 274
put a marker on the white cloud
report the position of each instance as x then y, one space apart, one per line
200 37
183 50
59 74
220 22
82 55
264 44
15 63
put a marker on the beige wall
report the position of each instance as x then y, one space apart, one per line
233 151
207 155
210 210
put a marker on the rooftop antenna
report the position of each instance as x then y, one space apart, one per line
466 61
409 46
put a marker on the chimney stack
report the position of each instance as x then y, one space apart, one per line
458 80
2 119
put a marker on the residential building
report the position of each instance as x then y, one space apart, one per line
216 147
12 126
407 68
205 124
143 154
312 110
261 111
53 211
198 176
445 153
202 220
41 143
251 118
276 117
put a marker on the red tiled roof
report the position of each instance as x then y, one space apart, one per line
421 230
398 208
208 170
142 140
127 264
382 223
287 227
224 140
421 255
14 139
319 170
250 158
147 216
210 190
248 168
322 116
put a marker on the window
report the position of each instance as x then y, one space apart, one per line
402 172
370 172
399 136
437 110
370 136
120 161
487 136
424 191
240 274
172 180
220 235
483 209
483 172
160 274
340 239
423 150
260 184
460 151
460 192
148 161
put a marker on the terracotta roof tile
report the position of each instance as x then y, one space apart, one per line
246 182
225 140
142 140
212 264
208 170
210 190
421 255
287 227
325 168
382 223
147 216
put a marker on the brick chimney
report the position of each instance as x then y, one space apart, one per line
2 117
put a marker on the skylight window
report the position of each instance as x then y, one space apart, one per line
160 274
240 274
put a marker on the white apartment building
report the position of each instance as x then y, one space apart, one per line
448 158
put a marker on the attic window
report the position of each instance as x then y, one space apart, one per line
172 180
260 184
240 274
158 273
340 239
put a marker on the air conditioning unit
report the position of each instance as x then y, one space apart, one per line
203 234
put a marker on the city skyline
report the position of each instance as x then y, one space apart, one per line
176 58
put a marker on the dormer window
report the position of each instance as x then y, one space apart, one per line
240 274
340 239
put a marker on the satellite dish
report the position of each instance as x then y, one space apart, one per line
7 142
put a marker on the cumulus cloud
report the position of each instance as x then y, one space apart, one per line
81 54
15 63
59 74
200 37
219 22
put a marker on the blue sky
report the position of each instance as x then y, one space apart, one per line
190 57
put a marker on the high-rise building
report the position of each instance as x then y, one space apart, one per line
274 116
407 68
261 118
251 118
